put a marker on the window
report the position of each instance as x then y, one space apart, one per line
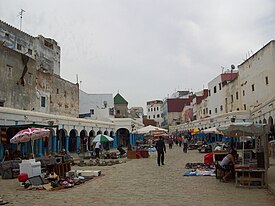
48 44
29 51
253 87
151 109
209 93
216 110
210 111
148 109
266 80
158 116
154 116
9 71
220 86
43 101
7 35
149 116
57 91
157 108
244 106
118 111
215 89
2 103
237 95
203 111
92 111
243 93
232 98
154 108
221 108
19 47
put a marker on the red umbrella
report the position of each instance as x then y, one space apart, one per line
26 135
29 134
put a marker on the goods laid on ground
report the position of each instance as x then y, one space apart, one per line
199 169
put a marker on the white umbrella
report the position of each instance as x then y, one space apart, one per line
148 129
211 130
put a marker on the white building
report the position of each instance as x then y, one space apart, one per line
246 95
96 106
219 99
154 111
257 84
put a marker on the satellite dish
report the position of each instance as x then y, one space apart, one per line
232 66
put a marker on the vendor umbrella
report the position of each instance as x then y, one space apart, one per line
102 138
29 134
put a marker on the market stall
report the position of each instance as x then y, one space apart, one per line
252 171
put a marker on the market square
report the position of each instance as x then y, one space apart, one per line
142 182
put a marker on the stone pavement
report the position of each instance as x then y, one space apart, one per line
142 182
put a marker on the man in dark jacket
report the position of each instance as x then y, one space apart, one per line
160 147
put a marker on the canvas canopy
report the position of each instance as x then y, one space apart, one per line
211 130
148 129
242 129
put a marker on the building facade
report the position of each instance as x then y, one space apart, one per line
154 111
243 95
96 106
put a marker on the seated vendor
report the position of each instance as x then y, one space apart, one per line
228 163
122 152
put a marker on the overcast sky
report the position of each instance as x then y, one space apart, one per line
146 49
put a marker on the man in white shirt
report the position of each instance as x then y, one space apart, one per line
97 149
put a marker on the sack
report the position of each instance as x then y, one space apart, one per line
208 158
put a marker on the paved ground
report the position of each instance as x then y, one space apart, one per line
142 182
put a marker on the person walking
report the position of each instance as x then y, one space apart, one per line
180 141
170 142
185 144
160 147
97 149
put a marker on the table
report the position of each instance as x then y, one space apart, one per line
136 154
60 169
250 177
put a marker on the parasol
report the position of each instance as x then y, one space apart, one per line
29 134
102 138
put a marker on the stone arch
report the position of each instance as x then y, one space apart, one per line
61 139
99 132
123 137
264 121
72 140
271 128
90 139
106 132
10 132
84 140
112 134
260 121
92 133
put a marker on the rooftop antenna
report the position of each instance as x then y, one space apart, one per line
21 17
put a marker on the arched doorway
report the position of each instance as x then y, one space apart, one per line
61 140
123 137
112 134
90 140
72 140
8 133
83 141
271 128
